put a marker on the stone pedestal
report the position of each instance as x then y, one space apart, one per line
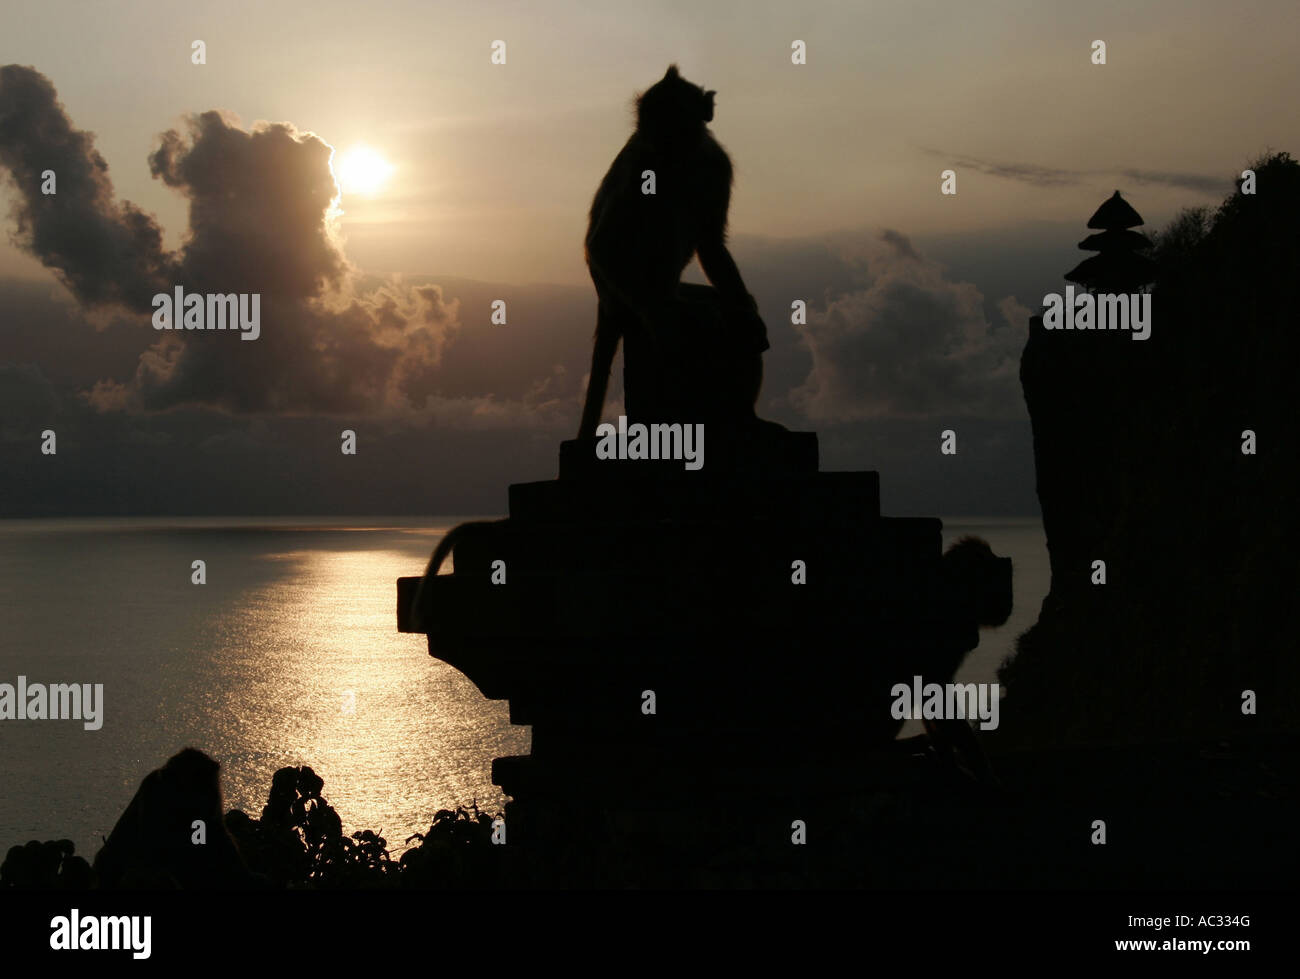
631 582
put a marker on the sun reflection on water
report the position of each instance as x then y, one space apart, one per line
316 674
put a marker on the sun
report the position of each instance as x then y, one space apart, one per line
362 170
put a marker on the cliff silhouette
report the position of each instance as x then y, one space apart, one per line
1139 455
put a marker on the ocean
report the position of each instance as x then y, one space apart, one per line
288 655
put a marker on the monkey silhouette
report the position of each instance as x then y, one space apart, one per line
153 846
978 584
637 246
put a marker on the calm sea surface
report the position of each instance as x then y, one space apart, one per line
254 667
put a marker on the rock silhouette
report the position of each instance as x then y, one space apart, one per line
1140 463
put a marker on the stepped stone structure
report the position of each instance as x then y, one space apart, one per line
638 586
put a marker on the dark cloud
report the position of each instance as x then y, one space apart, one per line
506 397
259 204
911 343
900 243
1217 186
890 333
1029 173
1041 176
262 209
105 252
262 220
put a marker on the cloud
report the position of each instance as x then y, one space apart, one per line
1040 176
1029 173
1014 312
909 344
505 398
894 334
262 219
900 243
260 204
105 252
1217 186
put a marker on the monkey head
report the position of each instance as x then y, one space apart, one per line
674 104
979 580
153 845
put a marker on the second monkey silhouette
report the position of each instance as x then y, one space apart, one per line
688 349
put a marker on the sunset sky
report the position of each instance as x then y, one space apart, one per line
917 300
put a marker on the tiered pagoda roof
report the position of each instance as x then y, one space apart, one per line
1118 265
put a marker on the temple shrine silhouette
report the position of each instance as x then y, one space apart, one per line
725 639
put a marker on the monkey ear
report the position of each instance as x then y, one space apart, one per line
671 72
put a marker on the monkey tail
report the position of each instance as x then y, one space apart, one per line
602 360
440 554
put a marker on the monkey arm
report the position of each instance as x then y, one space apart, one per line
721 269
711 246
